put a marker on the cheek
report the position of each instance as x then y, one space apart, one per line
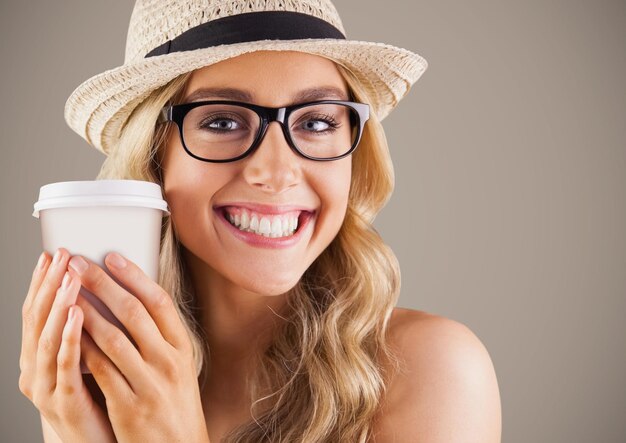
188 208
337 183
189 187
333 189
186 189
189 182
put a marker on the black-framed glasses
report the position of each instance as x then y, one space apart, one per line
225 131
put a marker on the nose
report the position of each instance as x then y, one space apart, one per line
273 166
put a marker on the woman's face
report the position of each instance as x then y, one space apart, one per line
273 175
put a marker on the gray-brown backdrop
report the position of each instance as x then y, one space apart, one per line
509 212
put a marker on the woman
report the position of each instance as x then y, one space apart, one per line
273 318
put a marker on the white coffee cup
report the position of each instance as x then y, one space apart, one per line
96 217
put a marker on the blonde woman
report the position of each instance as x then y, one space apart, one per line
274 316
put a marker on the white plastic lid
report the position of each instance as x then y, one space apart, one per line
100 193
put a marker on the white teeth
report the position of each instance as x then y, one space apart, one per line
271 226
254 223
277 230
264 226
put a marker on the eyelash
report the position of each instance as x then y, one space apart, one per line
329 120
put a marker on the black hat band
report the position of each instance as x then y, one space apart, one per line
247 27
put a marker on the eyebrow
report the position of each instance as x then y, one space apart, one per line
311 94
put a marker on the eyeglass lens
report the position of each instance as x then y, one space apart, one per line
222 132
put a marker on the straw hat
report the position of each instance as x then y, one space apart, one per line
169 38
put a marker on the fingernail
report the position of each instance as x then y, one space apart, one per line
78 264
72 313
67 280
117 260
57 257
42 261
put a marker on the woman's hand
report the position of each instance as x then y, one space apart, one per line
49 362
151 390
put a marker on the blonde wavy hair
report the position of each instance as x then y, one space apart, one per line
326 369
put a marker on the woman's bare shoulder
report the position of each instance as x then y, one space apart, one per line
411 330
401 316
405 323
446 389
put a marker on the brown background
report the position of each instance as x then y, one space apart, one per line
509 212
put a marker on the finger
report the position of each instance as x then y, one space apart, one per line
156 300
114 344
128 309
51 335
53 276
69 376
39 272
36 316
108 377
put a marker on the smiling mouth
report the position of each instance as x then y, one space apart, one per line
269 226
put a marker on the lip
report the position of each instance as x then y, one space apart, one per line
261 241
265 209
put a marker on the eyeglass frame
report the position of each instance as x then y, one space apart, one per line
267 115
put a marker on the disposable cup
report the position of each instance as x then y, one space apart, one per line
95 217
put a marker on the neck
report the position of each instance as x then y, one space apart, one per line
237 322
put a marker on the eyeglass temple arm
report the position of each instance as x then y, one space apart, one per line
165 115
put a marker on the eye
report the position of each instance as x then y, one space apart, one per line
220 123
320 123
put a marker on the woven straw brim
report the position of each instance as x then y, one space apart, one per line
98 109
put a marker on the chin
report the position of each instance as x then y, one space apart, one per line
271 288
